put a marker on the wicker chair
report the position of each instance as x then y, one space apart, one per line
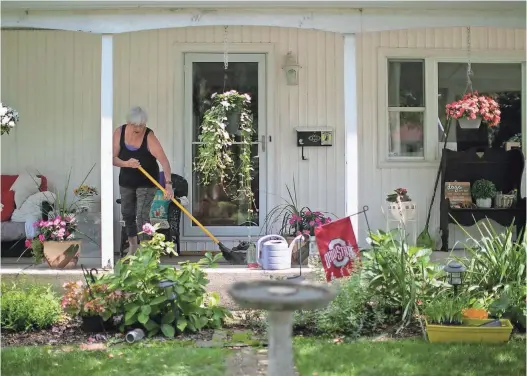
180 186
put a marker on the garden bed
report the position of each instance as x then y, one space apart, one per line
69 332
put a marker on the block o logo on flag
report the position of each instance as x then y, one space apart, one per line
338 248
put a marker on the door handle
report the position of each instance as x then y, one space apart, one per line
263 143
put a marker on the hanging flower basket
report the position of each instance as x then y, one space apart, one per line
473 109
469 123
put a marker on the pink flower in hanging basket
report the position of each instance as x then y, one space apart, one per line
472 106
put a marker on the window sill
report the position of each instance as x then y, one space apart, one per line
386 165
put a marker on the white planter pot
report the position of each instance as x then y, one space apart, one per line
469 123
484 202
406 211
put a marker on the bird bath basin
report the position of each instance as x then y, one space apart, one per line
281 299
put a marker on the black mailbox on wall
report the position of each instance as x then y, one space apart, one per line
319 136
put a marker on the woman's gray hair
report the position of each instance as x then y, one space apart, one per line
137 116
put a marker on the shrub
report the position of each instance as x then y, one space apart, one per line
147 304
28 306
353 312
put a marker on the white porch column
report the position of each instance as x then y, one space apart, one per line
351 173
107 243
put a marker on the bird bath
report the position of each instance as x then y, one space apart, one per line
281 299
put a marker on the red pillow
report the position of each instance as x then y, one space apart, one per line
8 202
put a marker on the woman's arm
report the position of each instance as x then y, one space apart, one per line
157 151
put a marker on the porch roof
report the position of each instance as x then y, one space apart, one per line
511 5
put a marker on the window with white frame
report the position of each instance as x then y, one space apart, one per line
501 81
416 85
406 109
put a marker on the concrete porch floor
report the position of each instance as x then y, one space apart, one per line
220 278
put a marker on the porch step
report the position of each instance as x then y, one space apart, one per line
221 278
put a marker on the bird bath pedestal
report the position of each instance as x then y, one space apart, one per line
281 299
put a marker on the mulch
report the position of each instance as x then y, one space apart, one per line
69 332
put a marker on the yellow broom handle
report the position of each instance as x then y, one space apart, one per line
156 183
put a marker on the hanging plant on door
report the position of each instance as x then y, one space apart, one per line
214 160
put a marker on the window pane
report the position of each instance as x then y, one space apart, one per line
406 134
406 83
501 81
214 205
210 78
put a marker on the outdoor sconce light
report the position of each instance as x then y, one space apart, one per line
291 69
455 273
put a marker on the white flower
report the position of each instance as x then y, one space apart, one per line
11 124
3 111
225 103
5 120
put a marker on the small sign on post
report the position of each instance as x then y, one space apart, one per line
458 193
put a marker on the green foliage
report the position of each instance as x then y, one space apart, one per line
149 306
511 302
27 306
495 262
483 189
214 161
353 312
400 276
446 309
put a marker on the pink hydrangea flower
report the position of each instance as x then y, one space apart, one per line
148 229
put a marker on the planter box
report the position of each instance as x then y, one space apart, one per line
469 332
62 254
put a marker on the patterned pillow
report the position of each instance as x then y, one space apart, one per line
159 208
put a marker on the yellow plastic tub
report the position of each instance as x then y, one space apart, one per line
469 332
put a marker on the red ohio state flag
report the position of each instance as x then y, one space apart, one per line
338 248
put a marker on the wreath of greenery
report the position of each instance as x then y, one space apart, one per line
214 161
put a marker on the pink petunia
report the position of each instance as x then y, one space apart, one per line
28 243
41 238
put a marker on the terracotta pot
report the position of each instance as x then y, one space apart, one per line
62 255
296 254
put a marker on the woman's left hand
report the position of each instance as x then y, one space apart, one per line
169 192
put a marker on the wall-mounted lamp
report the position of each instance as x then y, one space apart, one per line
291 69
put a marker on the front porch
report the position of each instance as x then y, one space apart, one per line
133 57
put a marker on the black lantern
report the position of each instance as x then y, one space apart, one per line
168 286
455 273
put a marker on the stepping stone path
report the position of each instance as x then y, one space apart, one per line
248 358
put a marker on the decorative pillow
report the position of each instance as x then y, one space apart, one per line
8 205
159 208
25 186
32 207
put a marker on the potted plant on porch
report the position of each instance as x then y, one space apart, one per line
483 191
445 323
400 205
56 243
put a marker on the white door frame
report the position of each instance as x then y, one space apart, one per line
260 58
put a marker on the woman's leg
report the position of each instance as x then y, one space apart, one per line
129 211
145 196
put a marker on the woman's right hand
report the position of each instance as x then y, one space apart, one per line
133 163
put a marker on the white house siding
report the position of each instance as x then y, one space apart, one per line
53 79
377 182
148 71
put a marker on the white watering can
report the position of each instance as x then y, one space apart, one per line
273 253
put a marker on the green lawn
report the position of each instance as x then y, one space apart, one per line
313 357
409 358
161 359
